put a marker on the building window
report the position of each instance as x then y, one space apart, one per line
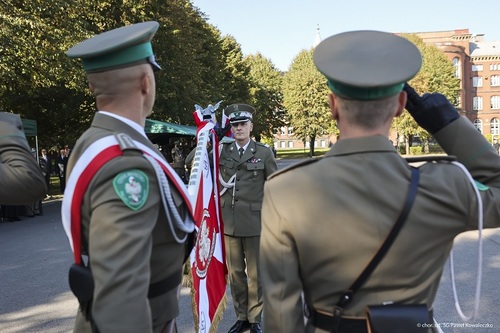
290 130
477 103
479 125
283 131
290 144
323 143
495 80
495 123
456 64
477 68
477 81
495 102
494 67
282 144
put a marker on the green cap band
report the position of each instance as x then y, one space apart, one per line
359 93
119 58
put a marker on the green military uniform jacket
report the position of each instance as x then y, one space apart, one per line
128 249
241 212
21 180
323 222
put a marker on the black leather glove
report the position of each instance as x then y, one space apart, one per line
221 132
431 111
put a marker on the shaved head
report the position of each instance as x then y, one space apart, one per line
117 82
128 91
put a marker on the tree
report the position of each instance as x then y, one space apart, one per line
305 99
35 74
265 90
190 51
234 80
436 75
38 81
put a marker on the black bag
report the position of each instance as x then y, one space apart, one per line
398 318
81 284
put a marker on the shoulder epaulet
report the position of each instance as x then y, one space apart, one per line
261 144
294 166
431 159
125 142
226 139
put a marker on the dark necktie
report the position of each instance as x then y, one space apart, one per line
241 150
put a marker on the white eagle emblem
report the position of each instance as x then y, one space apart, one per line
133 189
205 245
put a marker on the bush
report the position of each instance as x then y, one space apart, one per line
415 151
436 149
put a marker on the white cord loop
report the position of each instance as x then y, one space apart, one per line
479 256
173 216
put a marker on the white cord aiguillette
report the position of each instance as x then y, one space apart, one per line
173 216
479 256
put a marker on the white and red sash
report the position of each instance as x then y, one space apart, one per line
93 158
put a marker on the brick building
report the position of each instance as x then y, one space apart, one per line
477 64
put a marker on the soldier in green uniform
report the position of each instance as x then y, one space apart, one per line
22 181
324 220
134 241
244 167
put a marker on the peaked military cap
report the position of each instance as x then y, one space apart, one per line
366 64
121 47
239 113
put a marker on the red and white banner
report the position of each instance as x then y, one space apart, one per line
208 266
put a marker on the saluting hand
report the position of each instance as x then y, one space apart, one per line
431 111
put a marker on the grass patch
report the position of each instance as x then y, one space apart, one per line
299 153
55 188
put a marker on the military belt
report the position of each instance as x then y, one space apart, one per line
329 322
165 285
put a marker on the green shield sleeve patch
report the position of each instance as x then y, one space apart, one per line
132 186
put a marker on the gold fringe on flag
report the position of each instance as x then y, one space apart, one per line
187 281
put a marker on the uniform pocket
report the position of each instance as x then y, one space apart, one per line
226 163
255 206
255 166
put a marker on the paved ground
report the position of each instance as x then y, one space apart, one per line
34 294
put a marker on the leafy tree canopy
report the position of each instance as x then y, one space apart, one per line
265 90
305 99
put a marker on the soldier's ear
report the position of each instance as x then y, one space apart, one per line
401 103
333 106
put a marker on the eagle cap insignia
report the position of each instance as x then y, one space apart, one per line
132 187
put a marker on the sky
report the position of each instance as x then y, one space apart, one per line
280 29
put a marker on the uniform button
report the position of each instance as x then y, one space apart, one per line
237 189
237 179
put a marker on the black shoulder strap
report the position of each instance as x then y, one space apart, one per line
410 198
